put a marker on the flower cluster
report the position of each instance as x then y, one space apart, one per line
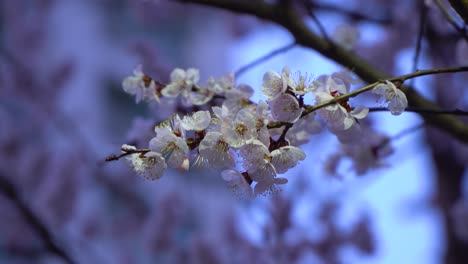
341 118
261 138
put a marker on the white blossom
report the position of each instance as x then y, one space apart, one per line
263 165
241 131
396 99
219 86
238 98
198 121
181 82
338 116
269 186
151 165
172 147
274 84
216 151
285 108
335 115
302 84
256 161
286 158
140 85
238 183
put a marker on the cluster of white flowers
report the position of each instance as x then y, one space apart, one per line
265 136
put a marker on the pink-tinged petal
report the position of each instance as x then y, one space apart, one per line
286 157
398 104
285 108
272 84
238 184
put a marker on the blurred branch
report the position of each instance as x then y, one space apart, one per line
263 58
451 20
461 7
287 17
8 189
310 9
422 24
349 13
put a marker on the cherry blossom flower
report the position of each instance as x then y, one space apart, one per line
338 116
199 96
238 98
238 183
219 86
269 186
263 119
216 151
262 166
285 108
182 82
151 165
274 84
198 121
396 99
302 84
140 85
172 147
241 131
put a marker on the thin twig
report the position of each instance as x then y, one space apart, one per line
126 153
407 131
399 135
9 190
451 20
264 58
422 24
309 109
402 79
283 134
310 10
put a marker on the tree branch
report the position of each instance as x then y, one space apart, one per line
451 20
8 189
287 17
461 7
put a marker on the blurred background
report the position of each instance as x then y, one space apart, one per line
63 110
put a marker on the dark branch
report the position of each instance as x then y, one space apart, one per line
451 20
422 24
310 9
456 112
9 190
